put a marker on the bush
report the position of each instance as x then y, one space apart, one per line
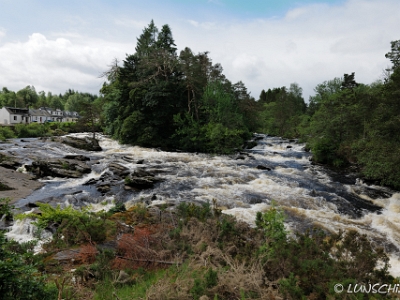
19 277
73 226
5 207
313 262
189 210
6 133
31 130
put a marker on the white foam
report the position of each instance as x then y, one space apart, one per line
247 215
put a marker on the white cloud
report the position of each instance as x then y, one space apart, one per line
56 65
308 45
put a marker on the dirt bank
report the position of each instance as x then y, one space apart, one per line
22 184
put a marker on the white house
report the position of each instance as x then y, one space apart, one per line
56 115
39 116
70 116
11 115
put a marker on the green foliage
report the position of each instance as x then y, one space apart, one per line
272 224
6 133
109 290
228 228
159 99
289 287
74 226
5 207
187 210
210 278
19 277
30 130
282 110
312 262
119 207
201 285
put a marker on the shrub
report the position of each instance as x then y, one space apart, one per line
74 226
5 207
313 262
19 277
6 133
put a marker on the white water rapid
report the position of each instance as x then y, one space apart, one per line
275 170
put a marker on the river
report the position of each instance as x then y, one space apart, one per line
276 170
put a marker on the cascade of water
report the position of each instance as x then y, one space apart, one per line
276 170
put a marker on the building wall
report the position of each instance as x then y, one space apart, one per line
4 116
7 118
17 119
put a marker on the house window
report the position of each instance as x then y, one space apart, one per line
15 118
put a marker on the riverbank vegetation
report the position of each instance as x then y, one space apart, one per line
345 123
186 252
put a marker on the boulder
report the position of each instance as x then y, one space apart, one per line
141 179
59 168
119 170
77 157
87 143
104 188
261 167
9 162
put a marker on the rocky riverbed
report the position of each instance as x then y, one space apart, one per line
274 170
18 185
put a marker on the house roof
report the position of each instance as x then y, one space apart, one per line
42 111
39 113
17 111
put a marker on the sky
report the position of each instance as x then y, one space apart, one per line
58 45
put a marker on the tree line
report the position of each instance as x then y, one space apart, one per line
157 97
28 97
345 123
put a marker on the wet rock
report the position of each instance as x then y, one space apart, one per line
9 162
119 170
255 201
104 188
59 168
250 144
372 192
140 162
90 181
141 183
289 147
77 157
52 227
128 158
261 167
87 143
141 179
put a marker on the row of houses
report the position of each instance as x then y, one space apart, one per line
12 115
